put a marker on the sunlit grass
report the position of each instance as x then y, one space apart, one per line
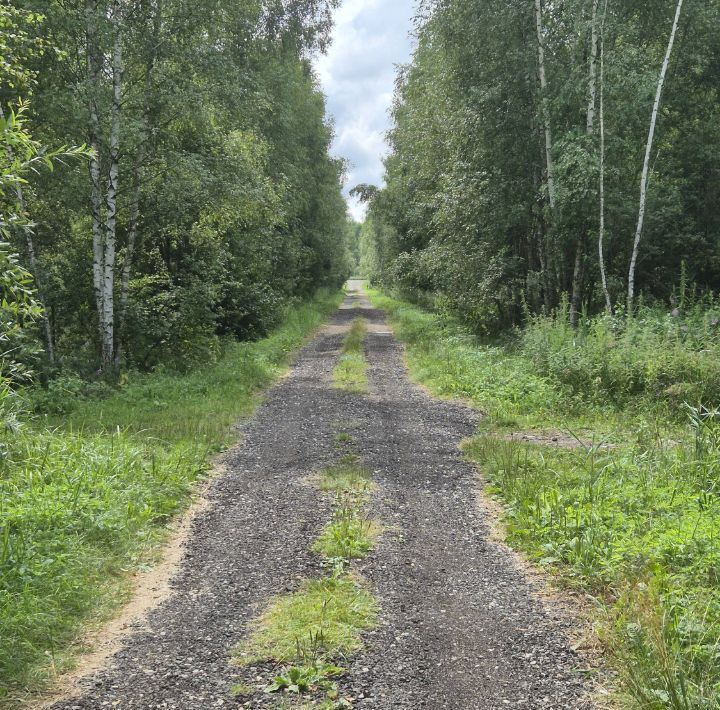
324 619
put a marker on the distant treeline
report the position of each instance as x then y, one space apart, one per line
547 150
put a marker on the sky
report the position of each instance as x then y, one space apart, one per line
358 76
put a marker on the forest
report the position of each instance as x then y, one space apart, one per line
552 151
196 335
185 139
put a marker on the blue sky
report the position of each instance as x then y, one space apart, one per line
358 73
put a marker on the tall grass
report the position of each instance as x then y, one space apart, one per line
635 524
85 498
668 355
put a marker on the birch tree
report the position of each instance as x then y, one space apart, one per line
545 104
109 246
648 152
601 230
94 60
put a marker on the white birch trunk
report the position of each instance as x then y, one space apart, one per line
601 233
93 75
592 79
545 105
646 165
108 317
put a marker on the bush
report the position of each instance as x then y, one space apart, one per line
659 354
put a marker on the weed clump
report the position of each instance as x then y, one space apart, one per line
323 619
349 536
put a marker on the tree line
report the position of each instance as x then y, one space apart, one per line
168 176
549 151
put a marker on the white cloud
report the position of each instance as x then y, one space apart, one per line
358 75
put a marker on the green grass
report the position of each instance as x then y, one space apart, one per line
351 372
322 623
324 619
636 525
349 536
346 477
86 499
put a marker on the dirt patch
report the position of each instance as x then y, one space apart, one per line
334 329
559 439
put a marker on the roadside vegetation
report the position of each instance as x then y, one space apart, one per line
350 373
86 497
627 510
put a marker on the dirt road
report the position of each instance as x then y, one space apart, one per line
460 627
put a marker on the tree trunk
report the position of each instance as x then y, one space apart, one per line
601 232
139 161
93 74
646 165
108 317
545 106
577 281
592 79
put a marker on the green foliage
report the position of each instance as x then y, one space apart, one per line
86 496
226 180
465 217
659 355
306 679
18 311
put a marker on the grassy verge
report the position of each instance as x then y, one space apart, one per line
350 373
85 499
636 524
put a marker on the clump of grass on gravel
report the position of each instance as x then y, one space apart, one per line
348 536
323 619
345 477
350 373
84 499
635 524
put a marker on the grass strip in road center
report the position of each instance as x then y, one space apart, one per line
321 623
350 373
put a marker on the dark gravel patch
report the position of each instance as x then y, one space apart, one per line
460 626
